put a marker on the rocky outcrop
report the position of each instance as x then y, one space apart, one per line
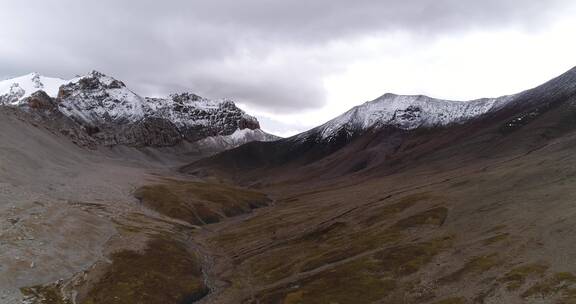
411 117
197 118
14 94
41 101
248 122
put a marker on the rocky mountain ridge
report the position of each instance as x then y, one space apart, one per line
409 112
112 114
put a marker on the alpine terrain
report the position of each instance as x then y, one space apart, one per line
110 197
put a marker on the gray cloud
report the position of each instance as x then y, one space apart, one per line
225 48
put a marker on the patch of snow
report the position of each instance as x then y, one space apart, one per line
238 138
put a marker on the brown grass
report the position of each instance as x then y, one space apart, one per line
362 280
48 294
476 265
558 282
515 278
495 239
199 203
451 301
165 272
355 282
432 217
386 212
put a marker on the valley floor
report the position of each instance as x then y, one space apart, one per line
494 231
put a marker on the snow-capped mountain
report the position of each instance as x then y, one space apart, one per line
95 99
14 91
113 114
407 112
418 111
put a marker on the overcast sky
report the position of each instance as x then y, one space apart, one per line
295 64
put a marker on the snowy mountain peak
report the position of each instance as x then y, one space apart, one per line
13 91
104 80
96 81
409 112
97 98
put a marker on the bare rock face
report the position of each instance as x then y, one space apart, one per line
41 101
248 122
197 118
155 132
407 118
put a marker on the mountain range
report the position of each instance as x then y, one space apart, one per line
103 111
110 197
